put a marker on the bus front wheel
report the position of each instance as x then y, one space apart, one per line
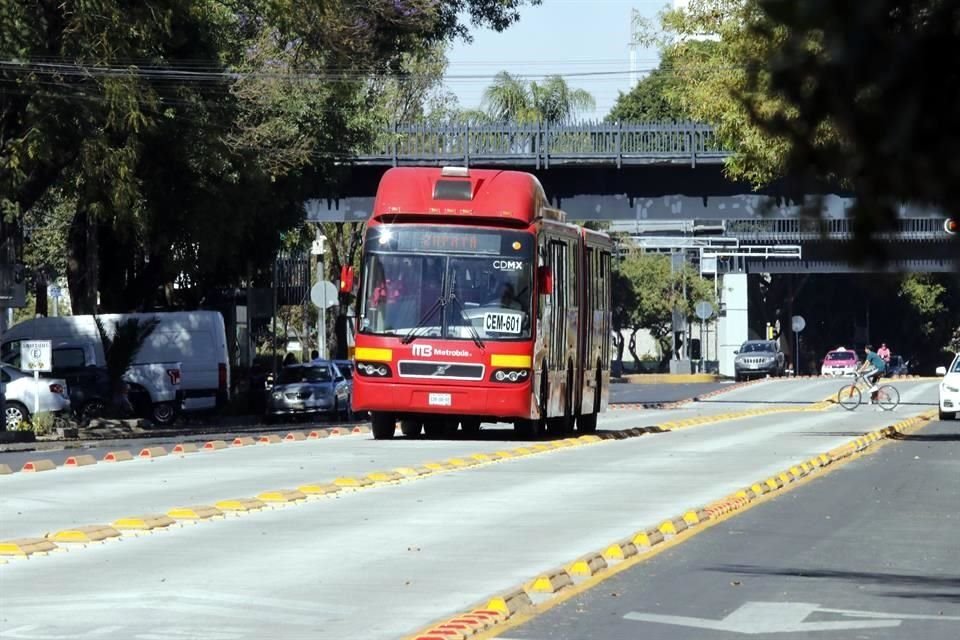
383 425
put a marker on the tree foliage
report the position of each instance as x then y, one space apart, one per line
120 348
510 98
825 92
185 134
653 99
647 290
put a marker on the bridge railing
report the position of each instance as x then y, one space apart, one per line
542 146
800 229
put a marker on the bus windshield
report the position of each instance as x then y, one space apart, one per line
437 281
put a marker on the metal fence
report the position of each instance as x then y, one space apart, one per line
544 146
800 229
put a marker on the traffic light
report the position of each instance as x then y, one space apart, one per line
951 226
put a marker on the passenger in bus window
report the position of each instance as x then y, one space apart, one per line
508 298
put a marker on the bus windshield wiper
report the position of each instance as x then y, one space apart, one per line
463 314
412 334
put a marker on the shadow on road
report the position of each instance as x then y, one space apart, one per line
951 583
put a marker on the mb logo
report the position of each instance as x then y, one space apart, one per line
424 350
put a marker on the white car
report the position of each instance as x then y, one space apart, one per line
950 389
22 389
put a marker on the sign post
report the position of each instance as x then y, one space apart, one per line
323 295
36 356
798 324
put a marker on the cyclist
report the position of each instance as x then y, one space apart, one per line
872 368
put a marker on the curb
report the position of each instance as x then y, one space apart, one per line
553 586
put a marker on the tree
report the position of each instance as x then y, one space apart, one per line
646 291
152 155
511 99
120 349
822 92
651 99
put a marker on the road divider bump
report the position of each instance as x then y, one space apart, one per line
80 460
88 534
505 454
522 451
271 438
198 512
183 448
295 436
384 476
316 434
117 456
412 472
5 470
692 518
242 441
796 472
26 547
352 482
152 452
647 539
551 581
672 527
318 488
437 466
620 550
462 462
485 457
35 466
510 603
282 496
587 565
240 505
361 429
214 445
143 523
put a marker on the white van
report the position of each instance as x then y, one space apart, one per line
194 342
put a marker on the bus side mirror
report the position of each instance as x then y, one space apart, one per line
346 279
545 280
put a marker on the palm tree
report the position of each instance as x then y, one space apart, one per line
511 99
120 350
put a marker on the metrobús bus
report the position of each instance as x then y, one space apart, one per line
478 302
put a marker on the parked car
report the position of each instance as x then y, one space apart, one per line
758 358
897 366
949 389
22 390
840 362
315 388
182 366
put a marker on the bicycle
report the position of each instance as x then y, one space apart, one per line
850 396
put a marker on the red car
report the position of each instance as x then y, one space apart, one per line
840 362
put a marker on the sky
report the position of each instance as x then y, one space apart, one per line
558 36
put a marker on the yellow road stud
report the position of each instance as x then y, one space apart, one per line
384 476
551 581
620 550
240 504
25 546
461 462
281 496
143 523
198 512
318 489
93 533
353 482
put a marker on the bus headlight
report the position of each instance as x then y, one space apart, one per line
510 375
373 370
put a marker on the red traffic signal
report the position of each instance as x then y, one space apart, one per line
951 225
346 279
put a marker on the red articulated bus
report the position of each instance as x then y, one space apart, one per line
479 303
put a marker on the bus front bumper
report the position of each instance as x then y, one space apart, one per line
505 401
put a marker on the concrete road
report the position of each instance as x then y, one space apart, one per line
384 561
661 393
869 552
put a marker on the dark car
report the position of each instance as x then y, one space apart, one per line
312 389
758 358
897 366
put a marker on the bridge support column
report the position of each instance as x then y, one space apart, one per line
733 327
